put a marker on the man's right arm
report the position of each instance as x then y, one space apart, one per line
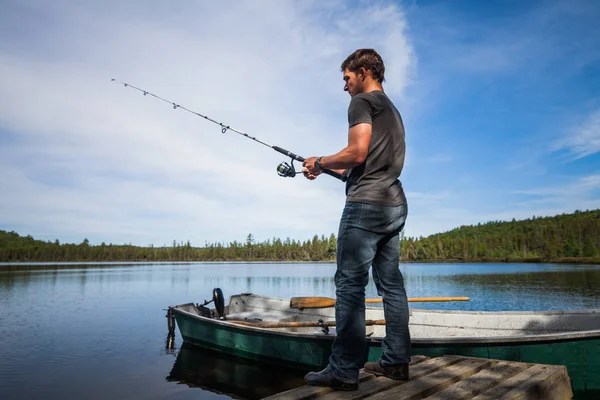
359 138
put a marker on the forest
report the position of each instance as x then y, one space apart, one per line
571 237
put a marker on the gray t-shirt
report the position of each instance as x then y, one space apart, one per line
376 180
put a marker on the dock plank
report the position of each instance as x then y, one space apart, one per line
544 382
483 380
379 384
439 380
453 377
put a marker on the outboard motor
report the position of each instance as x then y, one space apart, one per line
219 302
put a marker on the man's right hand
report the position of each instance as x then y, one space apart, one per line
309 169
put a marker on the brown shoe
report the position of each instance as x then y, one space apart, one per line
326 378
398 372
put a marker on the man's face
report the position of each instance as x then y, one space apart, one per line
354 82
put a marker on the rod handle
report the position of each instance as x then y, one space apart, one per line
335 174
301 159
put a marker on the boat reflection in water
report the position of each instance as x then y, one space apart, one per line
230 375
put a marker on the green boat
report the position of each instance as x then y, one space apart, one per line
266 328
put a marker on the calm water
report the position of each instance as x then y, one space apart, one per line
98 331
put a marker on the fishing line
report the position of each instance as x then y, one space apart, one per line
284 169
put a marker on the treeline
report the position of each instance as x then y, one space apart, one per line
17 248
567 237
563 238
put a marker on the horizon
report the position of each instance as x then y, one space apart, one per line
500 102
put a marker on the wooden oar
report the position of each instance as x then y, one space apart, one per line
320 302
300 324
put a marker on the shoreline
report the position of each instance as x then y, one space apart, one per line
581 261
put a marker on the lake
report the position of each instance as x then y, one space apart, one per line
97 331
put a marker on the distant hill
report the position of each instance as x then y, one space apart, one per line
563 238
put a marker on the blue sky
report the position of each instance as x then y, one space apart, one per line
500 99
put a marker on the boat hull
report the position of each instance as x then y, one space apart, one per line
292 350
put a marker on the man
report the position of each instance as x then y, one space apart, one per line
370 225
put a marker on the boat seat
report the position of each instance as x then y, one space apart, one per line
282 317
332 331
262 316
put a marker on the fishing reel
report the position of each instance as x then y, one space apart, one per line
286 170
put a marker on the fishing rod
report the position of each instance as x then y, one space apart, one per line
284 169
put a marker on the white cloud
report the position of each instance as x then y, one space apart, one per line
582 140
578 193
83 157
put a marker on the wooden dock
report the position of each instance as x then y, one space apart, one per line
453 378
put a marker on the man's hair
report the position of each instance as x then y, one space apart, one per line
368 59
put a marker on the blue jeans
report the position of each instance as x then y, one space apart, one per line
369 235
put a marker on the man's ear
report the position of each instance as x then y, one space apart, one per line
363 71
